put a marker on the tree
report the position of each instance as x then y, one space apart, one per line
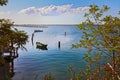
19 38
2 2
4 36
10 36
101 35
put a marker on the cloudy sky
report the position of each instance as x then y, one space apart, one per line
52 11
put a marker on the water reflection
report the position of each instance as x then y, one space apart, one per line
7 70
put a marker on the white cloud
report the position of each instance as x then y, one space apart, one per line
76 10
29 11
64 8
80 9
53 10
46 10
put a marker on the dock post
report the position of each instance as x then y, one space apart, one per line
65 33
59 44
32 38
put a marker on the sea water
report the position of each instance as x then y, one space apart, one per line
36 63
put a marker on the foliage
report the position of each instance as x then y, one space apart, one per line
3 2
7 77
10 36
49 76
2 61
101 36
18 38
5 30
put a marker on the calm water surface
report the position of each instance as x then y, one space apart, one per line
35 62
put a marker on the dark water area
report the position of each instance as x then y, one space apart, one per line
35 62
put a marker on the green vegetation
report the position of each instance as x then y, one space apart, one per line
49 76
10 36
3 2
101 36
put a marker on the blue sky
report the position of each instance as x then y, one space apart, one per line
52 11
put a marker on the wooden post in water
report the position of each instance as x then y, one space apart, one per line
32 38
65 33
59 44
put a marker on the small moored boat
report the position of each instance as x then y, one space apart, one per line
41 46
38 30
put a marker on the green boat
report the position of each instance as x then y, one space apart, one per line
41 46
38 30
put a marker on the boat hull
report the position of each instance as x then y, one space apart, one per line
41 46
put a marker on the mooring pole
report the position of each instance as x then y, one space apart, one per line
59 44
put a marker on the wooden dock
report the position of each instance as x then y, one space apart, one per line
10 54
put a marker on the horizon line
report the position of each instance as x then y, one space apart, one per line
45 24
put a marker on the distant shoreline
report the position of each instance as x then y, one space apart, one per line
47 24
43 25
